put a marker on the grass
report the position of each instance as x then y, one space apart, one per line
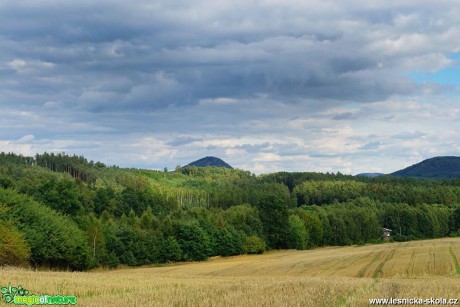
331 276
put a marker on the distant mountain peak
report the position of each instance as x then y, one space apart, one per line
210 161
437 167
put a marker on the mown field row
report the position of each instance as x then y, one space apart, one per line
332 276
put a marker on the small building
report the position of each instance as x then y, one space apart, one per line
386 233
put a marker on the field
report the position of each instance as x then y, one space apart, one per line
332 276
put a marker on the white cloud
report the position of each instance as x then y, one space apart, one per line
52 104
218 101
26 139
17 64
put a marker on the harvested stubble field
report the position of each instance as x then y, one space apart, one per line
331 276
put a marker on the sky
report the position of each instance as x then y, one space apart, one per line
266 85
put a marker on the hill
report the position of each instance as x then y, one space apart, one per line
65 212
210 161
437 167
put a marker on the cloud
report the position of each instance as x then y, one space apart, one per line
26 139
183 140
52 104
371 146
405 135
254 148
218 101
269 85
344 116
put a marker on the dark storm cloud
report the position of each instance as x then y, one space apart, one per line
142 55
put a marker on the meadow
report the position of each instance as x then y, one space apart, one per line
328 276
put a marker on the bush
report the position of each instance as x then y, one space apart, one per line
13 247
254 245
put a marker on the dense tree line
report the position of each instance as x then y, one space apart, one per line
50 217
328 192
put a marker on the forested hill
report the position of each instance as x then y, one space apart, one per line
210 161
64 211
438 167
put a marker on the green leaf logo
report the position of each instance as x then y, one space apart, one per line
9 298
8 293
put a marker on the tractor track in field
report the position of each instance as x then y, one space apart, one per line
454 260
363 271
410 266
378 270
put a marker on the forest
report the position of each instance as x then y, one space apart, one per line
65 212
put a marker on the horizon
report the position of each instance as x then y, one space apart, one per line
235 167
351 87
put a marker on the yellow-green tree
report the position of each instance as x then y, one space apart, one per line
13 247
